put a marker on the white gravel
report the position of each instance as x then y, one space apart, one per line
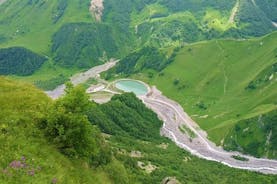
173 116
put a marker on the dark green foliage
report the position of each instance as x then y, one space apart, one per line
59 11
176 82
126 115
146 58
51 83
256 136
192 5
201 105
173 30
263 78
269 7
240 158
68 128
19 61
252 20
118 13
83 44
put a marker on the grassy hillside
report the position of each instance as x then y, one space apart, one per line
26 156
66 33
31 156
31 24
221 82
63 31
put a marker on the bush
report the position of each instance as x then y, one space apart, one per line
68 128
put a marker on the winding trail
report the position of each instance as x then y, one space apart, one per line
234 12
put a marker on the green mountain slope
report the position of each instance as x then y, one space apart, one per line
63 31
30 156
67 33
220 82
31 24
26 156
256 135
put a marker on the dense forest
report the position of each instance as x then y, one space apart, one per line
83 45
127 116
147 58
19 61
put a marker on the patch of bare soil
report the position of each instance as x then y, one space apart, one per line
170 180
136 154
96 8
234 13
149 168
163 146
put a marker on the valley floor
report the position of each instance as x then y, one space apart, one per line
197 143
180 128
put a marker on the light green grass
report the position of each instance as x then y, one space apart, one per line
21 107
216 74
33 27
216 20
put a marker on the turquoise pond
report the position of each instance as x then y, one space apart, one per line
131 86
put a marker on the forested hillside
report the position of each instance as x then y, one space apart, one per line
83 45
19 61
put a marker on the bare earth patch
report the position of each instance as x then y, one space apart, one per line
149 168
170 180
163 146
136 154
234 13
96 8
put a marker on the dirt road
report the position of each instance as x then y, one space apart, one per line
234 13
81 78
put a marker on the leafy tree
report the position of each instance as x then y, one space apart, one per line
68 128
